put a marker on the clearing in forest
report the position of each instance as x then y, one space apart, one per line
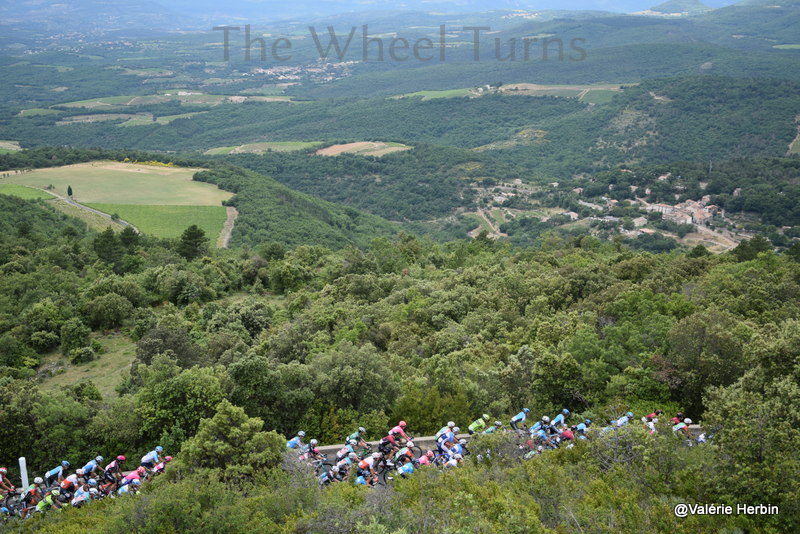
363 148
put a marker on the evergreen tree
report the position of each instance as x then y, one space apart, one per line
69 191
108 247
129 238
194 243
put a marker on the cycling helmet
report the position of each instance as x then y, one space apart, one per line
498 423
80 472
64 463
352 442
98 459
302 434
401 424
587 422
93 491
430 454
451 424
456 430
335 469
687 421
629 415
120 458
462 441
457 457
353 456
565 411
3 470
659 412
141 470
376 455
91 482
526 410
4 510
38 480
56 492
136 482
313 442
159 449
362 430
545 419
485 417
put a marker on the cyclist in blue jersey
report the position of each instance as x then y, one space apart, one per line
560 418
91 467
297 441
496 427
56 474
519 418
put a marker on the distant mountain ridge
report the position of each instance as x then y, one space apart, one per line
690 7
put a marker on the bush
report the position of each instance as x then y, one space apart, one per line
82 355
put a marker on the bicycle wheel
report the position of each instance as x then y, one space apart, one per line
416 451
11 500
387 476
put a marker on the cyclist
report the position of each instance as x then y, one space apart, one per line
112 474
478 425
427 458
447 439
400 431
366 468
56 474
49 500
497 426
92 466
655 414
71 482
153 457
622 421
31 497
679 417
402 456
460 447
454 461
388 445
358 436
297 441
559 419
519 418
450 425
133 475
4 482
133 487
349 447
160 468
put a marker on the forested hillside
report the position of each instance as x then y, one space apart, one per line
437 333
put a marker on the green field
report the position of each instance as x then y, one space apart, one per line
169 221
430 95
598 96
277 146
144 120
116 102
28 193
105 372
38 111
125 183
9 146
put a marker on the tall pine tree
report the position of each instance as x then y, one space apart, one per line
194 243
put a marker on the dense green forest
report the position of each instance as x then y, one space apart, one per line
438 332
702 118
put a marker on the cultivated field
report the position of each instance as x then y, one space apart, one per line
169 221
125 183
184 97
257 148
28 193
595 94
430 95
363 148
9 146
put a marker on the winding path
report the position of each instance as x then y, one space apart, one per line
72 202
224 240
